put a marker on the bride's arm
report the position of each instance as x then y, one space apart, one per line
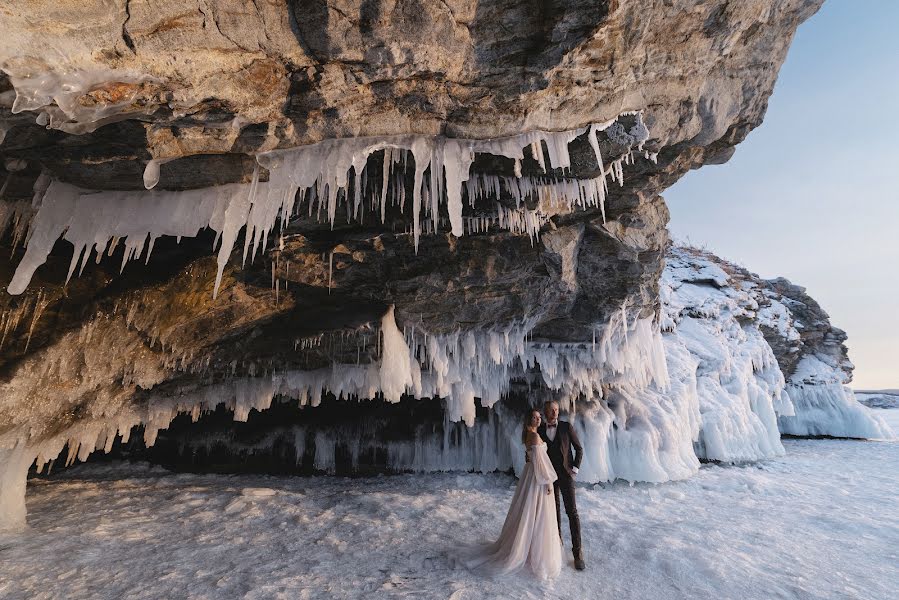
543 469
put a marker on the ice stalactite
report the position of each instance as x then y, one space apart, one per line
643 433
96 221
152 172
396 369
325 167
517 221
14 464
92 221
550 194
458 368
12 318
16 217
629 432
491 444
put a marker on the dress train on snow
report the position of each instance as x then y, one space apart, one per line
530 533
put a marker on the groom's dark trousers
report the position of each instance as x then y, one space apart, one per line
559 450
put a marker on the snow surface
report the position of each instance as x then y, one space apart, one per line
820 522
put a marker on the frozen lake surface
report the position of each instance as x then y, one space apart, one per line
821 522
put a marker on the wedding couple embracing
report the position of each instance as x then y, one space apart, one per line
531 535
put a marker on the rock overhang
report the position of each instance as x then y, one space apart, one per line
197 94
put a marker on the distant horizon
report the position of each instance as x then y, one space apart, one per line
813 193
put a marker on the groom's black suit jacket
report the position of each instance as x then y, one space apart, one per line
559 449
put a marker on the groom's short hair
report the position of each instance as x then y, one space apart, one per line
548 402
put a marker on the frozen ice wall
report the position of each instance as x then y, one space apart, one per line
825 405
738 381
733 321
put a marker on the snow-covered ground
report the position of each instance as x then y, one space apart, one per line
820 522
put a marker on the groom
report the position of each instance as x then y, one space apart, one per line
560 438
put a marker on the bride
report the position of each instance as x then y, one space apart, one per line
530 534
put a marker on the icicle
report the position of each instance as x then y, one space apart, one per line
330 270
457 159
385 179
537 153
88 220
235 216
40 303
151 172
396 366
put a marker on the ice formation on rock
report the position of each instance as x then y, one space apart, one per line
96 221
825 405
78 101
810 398
642 433
15 216
725 395
14 464
459 368
738 382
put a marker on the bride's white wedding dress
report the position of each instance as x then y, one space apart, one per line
530 534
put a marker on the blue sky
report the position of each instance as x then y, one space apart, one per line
813 193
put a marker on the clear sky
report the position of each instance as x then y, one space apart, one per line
813 193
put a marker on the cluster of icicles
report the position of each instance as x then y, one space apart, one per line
99 221
458 367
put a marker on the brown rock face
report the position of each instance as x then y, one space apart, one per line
817 336
228 76
92 91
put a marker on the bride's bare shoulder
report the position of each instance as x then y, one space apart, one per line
533 439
